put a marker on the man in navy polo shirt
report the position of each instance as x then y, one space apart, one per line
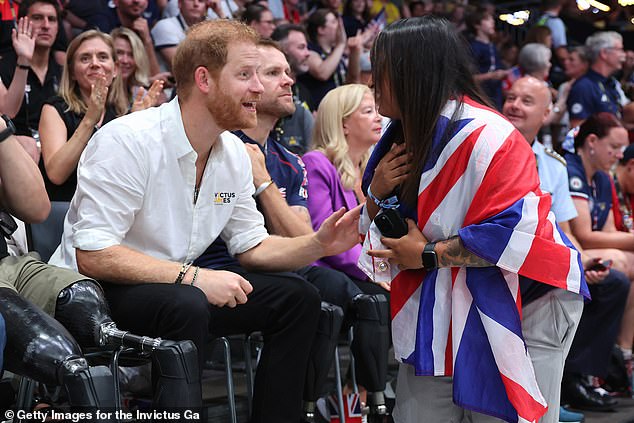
598 91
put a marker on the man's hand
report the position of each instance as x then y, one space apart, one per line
23 40
223 288
142 29
339 232
258 164
390 172
405 251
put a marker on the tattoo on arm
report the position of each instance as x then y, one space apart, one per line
453 254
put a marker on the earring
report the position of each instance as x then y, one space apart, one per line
592 151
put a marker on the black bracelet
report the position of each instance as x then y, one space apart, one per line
25 67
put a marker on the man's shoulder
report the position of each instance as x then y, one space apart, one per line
553 156
168 27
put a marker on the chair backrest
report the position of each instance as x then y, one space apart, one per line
46 236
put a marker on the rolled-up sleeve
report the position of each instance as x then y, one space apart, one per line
245 229
111 181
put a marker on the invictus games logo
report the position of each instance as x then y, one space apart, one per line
224 197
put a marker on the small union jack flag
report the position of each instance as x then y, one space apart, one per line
352 409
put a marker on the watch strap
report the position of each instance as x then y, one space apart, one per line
429 258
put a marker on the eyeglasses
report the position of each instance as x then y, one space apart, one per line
616 48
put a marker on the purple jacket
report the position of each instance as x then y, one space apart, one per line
325 195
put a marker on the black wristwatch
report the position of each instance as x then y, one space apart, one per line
9 130
430 260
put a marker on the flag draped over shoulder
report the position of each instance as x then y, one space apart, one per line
480 183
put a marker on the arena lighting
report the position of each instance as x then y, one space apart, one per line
586 4
516 18
626 3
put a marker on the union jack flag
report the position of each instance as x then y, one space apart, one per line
352 409
480 183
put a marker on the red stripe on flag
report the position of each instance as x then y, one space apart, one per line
403 287
449 347
452 170
525 405
556 261
509 177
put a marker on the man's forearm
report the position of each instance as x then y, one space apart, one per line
451 253
282 219
119 264
277 254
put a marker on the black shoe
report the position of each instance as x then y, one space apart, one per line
582 396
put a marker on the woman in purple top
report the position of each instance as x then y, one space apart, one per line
346 127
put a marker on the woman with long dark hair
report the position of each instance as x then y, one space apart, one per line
478 227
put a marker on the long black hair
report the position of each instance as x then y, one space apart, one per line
424 63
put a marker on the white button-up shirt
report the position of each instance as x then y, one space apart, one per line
136 181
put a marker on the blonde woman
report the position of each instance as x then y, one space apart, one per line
91 93
134 67
346 127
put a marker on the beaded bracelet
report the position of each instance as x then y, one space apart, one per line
195 275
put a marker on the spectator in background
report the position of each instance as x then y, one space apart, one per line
294 132
508 54
327 67
597 91
91 94
292 39
490 70
627 77
575 66
131 14
539 34
346 128
533 60
599 145
623 192
356 16
550 18
29 74
168 33
134 69
259 18
527 106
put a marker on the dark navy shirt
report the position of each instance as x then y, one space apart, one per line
487 59
598 194
289 174
593 93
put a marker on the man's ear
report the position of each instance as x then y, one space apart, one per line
203 79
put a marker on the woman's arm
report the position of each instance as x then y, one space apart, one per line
60 153
581 228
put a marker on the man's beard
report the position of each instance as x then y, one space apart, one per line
228 113
276 109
